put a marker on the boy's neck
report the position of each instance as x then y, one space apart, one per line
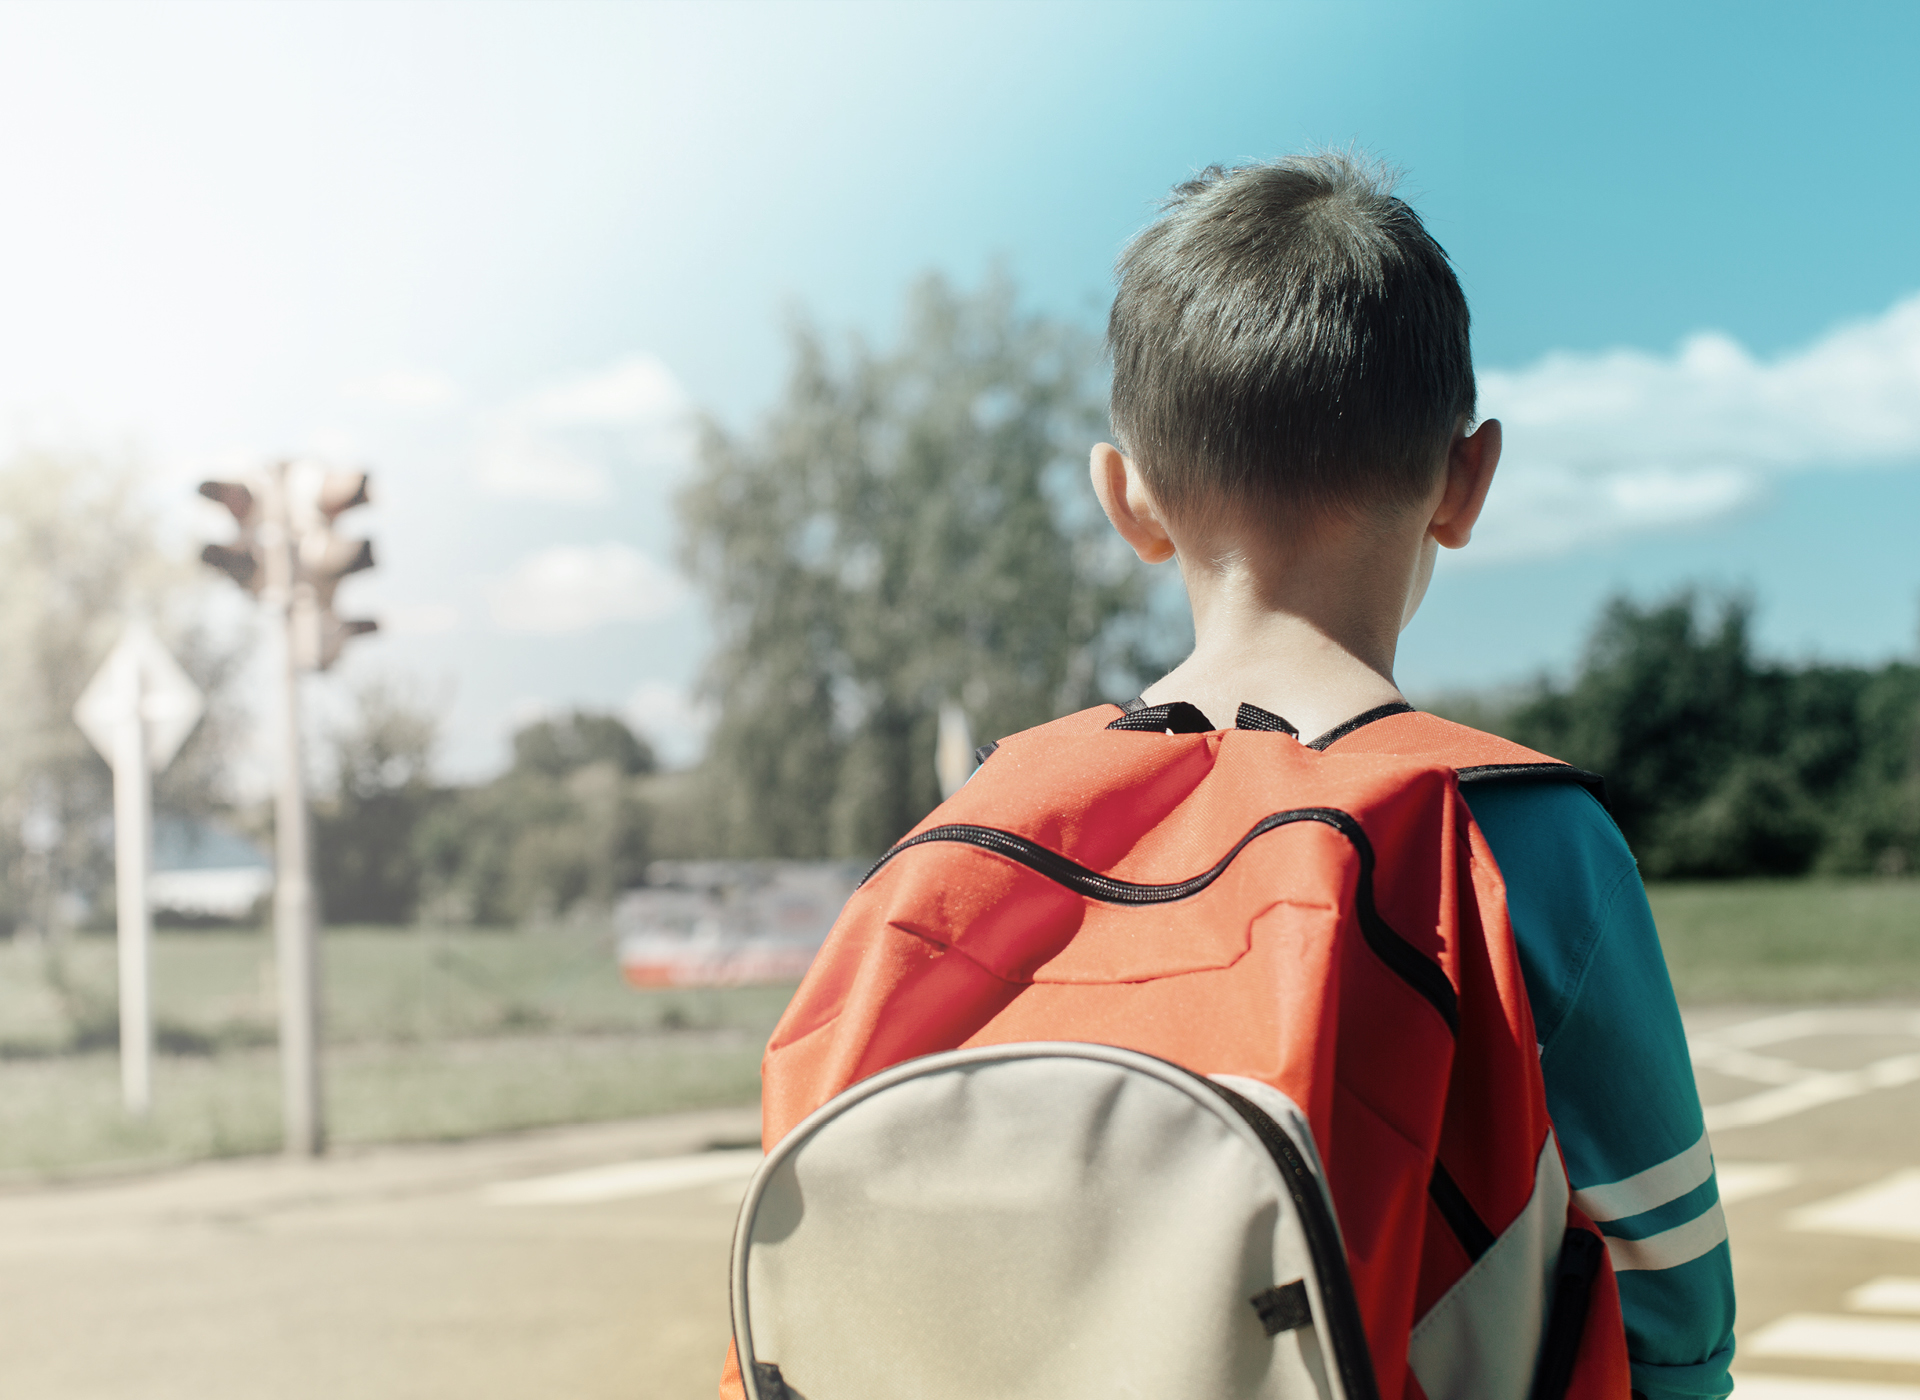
1307 632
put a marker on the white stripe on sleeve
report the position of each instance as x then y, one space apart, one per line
1670 1248
1644 1191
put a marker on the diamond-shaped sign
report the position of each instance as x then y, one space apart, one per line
140 673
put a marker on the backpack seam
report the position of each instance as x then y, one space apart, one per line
1598 927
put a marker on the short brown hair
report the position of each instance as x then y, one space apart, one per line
1288 335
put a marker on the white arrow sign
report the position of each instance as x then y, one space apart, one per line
137 710
139 674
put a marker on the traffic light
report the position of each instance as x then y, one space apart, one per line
341 491
322 558
287 544
242 561
318 636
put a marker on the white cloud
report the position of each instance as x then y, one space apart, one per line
420 619
1604 445
411 388
572 588
529 709
672 721
637 389
564 442
515 461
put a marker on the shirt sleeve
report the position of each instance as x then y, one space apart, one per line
1619 1081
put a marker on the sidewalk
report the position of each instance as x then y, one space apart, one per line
511 1267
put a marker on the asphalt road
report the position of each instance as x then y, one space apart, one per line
1815 1120
589 1263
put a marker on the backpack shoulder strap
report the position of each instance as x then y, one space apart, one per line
1476 756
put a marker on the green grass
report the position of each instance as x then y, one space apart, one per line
437 1033
214 991
62 1115
432 1034
1790 940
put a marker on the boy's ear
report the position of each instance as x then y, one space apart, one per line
1129 505
1471 459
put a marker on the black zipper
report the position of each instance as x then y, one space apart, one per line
1413 966
1346 1334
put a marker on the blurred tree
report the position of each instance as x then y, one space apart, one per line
78 553
906 528
1877 826
564 830
557 747
364 858
1664 703
1720 765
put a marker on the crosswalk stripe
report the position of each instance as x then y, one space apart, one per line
1794 1025
1886 1295
1815 1091
1829 1337
627 1179
1887 1209
1741 1181
1748 1386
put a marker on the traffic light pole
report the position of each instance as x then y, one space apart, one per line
289 557
295 928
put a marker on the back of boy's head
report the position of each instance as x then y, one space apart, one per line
1288 338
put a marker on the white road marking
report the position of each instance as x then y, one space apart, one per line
1888 1209
626 1179
1768 1030
1742 1181
1761 1069
1797 1088
1748 1386
1830 1337
1886 1295
1818 1088
1797 1025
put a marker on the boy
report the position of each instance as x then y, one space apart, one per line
1293 388
1293 397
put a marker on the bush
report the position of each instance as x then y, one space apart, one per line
1720 765
566 828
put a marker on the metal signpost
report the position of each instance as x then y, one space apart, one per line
953 760
137 711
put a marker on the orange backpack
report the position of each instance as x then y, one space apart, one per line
1326 920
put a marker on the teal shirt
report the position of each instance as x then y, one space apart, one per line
1619 1080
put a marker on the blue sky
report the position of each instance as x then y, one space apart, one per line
500 251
